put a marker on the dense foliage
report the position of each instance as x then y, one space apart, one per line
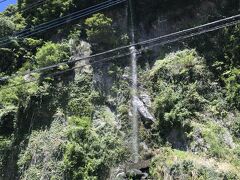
7 27
51 53
74 121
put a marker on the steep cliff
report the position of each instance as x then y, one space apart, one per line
74 120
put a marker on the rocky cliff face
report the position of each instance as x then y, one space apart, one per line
78 125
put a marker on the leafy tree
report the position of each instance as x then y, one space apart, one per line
52 53
180 87
7 60
7 55
12 53
100 32
220 48
18 55
80 98
43 13
19 21
10 10
232 81
231 45
91 153
16 17
7 27
42 158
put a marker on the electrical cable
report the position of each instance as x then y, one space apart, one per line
61 18
166 41
30 6
233 20
68 70
190 35
65 19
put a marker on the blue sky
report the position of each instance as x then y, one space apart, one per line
6 3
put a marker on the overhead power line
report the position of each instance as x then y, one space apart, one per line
219 24
20 33
63 20
162 40
185 36
71 69
30 6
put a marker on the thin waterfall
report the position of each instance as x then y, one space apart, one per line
133 51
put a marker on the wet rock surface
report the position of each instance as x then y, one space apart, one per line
143 110
135 171
137 174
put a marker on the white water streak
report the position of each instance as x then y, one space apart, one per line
134 105
133 51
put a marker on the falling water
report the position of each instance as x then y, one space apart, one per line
134 91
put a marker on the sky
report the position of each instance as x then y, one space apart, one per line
5 4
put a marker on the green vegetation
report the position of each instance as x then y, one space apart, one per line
176 164
51 53
42 14
91 153
99 30
7 27
42 158
101 33
81 97
76 122
233 86
180 85
191 115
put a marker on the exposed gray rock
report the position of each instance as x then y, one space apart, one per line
146 99
143 110
198 144
144 146
227 138
102 81
29 77
121 176
137 174
118 173
80 49
134 172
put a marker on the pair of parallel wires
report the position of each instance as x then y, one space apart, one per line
62 20
145 45
28 7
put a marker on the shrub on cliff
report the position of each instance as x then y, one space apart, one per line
52 53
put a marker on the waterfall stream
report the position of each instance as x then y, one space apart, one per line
133 51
